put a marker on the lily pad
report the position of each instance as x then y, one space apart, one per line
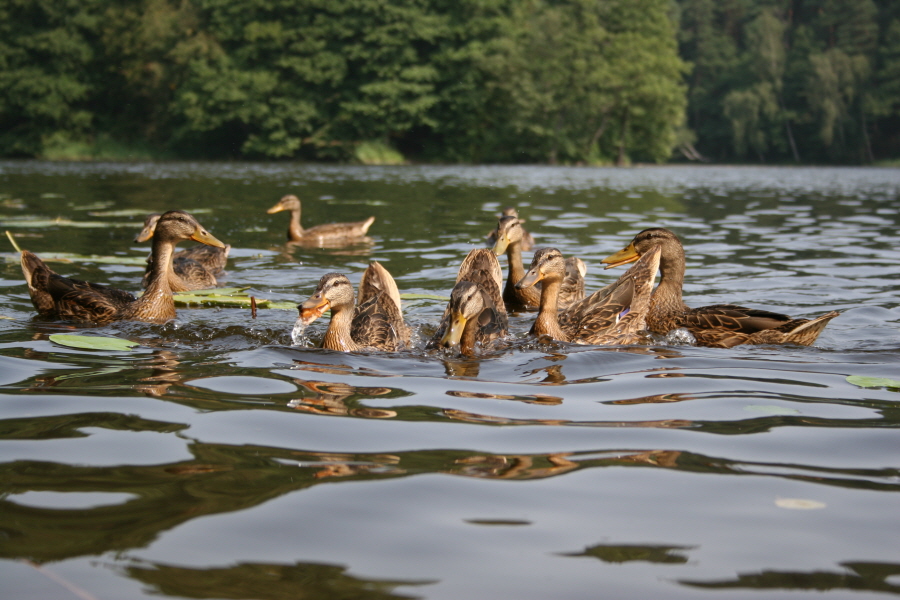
42 223
93 342
227 298
93 258
424 297
873 382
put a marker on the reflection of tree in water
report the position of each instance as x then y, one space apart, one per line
865 576
264 581
621 553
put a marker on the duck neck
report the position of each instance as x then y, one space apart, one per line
337 337
547 322
159 291
667 298
516 269
295 229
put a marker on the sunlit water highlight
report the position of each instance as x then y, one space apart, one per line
208 462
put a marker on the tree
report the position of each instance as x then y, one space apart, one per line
46 49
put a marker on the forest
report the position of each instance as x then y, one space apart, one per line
593 82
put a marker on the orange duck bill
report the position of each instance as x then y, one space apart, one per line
313 308
622 257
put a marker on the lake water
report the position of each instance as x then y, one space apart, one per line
216 460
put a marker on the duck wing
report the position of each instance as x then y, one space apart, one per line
378 319
572 288
728 325
617 313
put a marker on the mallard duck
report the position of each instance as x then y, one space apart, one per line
527 238
60 297
719 325
194 268
509 235
613 315
475 313
320 234
376 322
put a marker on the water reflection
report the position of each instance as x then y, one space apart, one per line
340 399
623 553
863 576
265 581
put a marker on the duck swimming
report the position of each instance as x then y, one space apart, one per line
719 325
60 297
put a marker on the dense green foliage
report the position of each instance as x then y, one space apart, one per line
568 81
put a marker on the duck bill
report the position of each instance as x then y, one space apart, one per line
205 237
454 331
277 208
500 245
313 308
531 278
145 234
622 257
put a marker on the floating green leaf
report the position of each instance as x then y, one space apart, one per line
872 382
41 223
93 342
216 298
424 297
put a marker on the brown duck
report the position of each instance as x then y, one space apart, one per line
325 234
475 313
527 238
613 315
719 325
194 268
374 322
59 297
509 235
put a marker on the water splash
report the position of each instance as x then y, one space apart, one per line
298 334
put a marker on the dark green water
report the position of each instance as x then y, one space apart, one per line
216 460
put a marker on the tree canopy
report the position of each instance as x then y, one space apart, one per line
552 81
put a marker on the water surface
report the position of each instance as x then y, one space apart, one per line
218 460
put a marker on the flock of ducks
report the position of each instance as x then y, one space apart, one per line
622 313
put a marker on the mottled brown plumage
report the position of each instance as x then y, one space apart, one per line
375 321
194 268
612 315
509 235
475 313
325 234
719 325
59 297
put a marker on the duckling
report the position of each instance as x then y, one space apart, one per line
59 297
719 325
613 315
374 322
327 233
194 268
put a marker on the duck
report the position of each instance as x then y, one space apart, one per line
327 233
194 268
374 322
510 235
613 315
719 325
527 238
475 313
60 297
